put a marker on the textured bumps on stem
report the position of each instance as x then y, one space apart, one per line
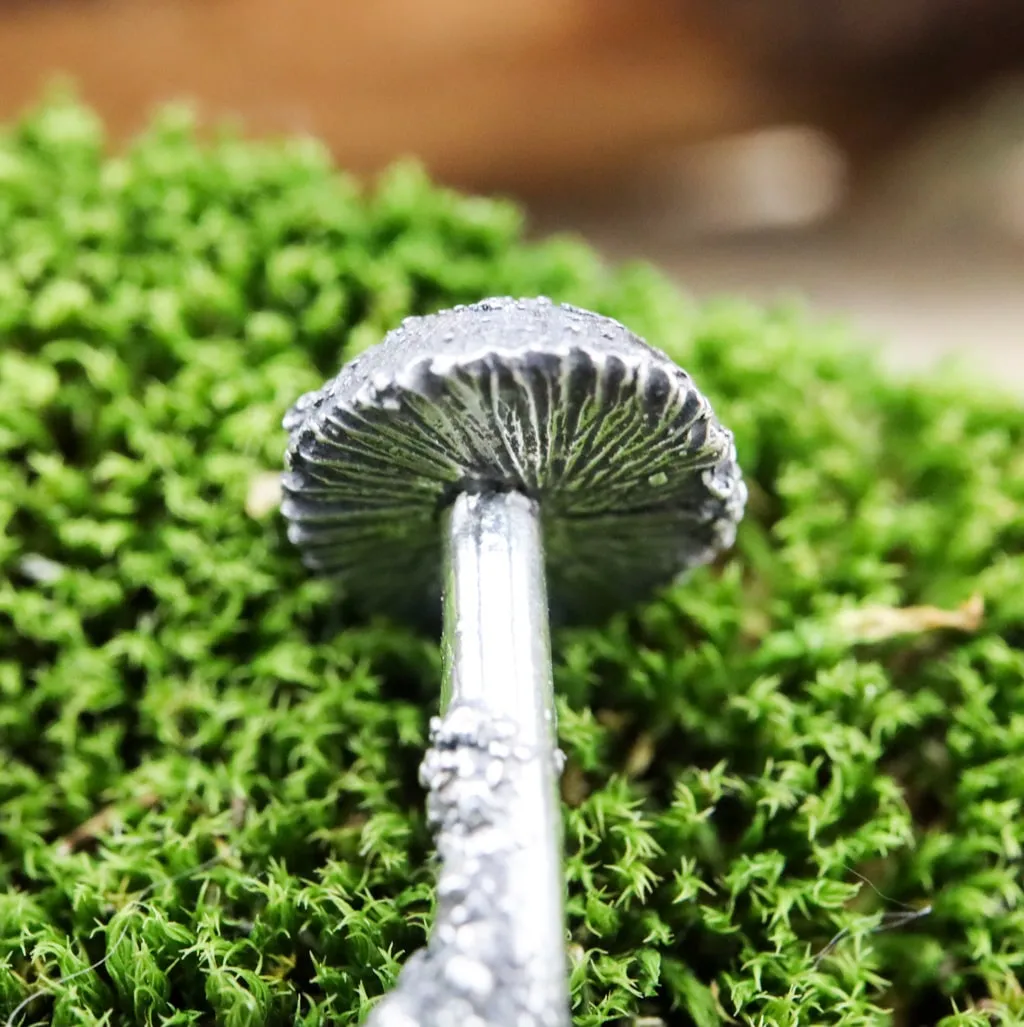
490 466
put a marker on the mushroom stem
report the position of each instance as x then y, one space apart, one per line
498 662
496 953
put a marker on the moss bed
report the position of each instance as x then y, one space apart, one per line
208 777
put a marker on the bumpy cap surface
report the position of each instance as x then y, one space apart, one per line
636 479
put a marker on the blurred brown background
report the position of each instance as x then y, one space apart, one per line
865 154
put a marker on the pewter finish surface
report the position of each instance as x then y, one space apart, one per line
636 478
496 952
469 974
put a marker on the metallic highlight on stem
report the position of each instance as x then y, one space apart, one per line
496 955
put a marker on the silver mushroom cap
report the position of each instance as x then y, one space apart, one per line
636 479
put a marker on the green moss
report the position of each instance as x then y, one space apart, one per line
740 750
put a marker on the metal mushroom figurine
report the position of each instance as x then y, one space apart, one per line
503 456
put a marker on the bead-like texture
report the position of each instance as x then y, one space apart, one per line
468 972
